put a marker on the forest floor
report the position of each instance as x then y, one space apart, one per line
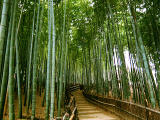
40 110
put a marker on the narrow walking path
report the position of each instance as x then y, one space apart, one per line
89 111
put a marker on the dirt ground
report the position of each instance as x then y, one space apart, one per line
40 111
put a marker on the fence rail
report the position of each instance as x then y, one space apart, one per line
71 109
126 110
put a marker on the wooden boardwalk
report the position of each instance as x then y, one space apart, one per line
89 111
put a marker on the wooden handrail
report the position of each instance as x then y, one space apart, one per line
71 104
73 113
123 108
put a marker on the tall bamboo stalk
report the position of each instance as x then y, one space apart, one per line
49 72
34 83
18 69
62 66
11 66
5 71
30 61
53 63
3 27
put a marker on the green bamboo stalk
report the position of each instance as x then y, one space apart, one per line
11 66
53 63
30 60
48 61
18 70
96 69
107 70
5 72
89 66
34 83
3 27
125 83
62 66
41 48
112 68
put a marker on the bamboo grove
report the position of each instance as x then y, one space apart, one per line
112 47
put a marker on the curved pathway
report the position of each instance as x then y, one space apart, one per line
89 111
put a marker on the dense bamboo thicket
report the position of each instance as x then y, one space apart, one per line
112 47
